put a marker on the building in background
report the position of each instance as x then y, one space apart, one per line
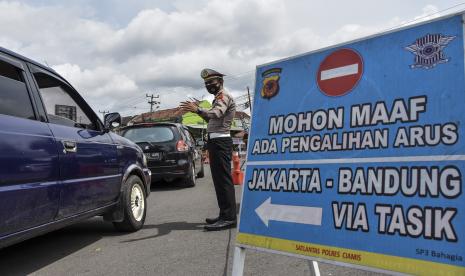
197 125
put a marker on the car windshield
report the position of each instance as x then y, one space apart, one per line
149 134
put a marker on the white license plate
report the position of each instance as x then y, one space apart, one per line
153 155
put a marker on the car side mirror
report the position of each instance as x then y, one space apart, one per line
111 121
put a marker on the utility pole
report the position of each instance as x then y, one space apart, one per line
104 112
152 102
250 104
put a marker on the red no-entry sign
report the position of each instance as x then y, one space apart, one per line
340 72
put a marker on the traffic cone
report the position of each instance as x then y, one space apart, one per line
237 174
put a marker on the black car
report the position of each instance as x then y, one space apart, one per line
170 149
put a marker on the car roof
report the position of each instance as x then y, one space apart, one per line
140 125
18 56
21 57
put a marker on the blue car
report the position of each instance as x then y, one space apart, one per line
59 164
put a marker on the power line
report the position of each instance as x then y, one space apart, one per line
130 101
249 73
241 97
152 102
236 77
423 17
229 77
132 104
250 77
134 98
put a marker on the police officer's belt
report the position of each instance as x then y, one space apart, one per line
213 135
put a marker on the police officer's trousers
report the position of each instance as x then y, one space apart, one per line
220 151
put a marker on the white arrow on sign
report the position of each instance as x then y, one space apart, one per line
287 213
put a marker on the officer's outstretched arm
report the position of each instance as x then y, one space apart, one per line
203 115
217 111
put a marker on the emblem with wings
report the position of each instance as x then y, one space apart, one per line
429 50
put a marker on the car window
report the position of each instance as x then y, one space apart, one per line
14 97
191 137
149 134
61 108
188 136
183 134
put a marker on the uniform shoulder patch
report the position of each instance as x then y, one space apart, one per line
220 96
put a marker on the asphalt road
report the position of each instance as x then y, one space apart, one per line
172 242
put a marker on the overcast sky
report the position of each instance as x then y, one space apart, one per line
115 52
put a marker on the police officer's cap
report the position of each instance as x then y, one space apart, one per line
208 74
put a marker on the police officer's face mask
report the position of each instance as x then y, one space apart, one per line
213 86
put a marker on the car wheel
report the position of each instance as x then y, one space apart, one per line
189 181
201 173
135 205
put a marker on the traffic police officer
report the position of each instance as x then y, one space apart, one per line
219 117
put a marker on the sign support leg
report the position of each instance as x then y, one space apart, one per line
314 269
238 261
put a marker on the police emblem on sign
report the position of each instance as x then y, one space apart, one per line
270 83
428 50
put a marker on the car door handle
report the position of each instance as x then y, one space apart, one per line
69 146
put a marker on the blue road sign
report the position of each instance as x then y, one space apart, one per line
357 153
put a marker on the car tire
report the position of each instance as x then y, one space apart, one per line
201 173
189 181
135 205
